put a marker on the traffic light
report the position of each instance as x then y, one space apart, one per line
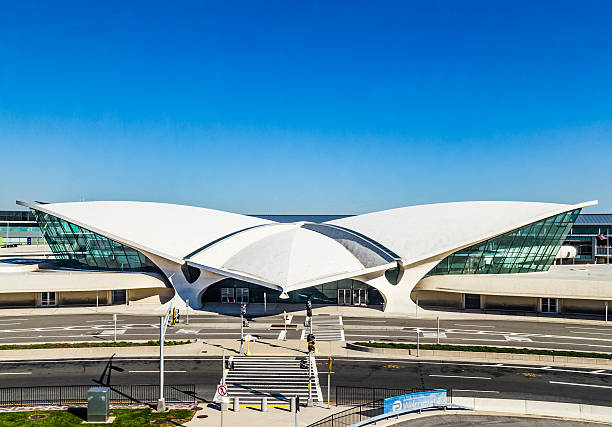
311 342
309 308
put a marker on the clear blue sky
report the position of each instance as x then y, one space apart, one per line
306 107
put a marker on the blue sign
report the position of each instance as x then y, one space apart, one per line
415 401
29 240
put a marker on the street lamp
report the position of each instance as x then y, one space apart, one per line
163 324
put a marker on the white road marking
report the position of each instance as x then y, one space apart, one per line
340 320
474 326
477 391
7 324
15 373
281 335
112 332
595 333
580 385
187 331
517 338
433 335
460 376
302 337
588 329
599 371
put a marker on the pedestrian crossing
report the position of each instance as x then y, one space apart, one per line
326 328
278 378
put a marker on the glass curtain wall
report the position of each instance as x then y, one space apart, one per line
82 249
527 249
320 294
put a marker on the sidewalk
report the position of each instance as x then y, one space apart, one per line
253 417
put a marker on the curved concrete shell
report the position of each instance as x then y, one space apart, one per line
196 247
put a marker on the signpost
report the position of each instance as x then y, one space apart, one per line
242 314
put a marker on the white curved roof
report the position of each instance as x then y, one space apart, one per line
416 233
170 231
292 256
287 256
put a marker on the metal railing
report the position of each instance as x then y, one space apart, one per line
352 415
365 409
76 395
349 395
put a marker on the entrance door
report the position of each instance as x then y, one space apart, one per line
472 301
359 297
549 305
242 295
344 297
47 299
119 297
227 296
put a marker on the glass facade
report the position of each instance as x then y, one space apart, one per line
82 249
320 294
523 250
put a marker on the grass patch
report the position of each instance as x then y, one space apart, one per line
125 418
487 349
88 344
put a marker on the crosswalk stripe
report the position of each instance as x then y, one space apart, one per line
278 378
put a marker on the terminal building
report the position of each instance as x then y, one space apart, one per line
469 256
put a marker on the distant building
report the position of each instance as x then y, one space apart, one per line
590 235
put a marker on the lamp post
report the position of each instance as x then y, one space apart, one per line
163 324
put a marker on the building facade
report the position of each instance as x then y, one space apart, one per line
469 255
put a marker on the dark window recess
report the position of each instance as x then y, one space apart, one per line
119 297
472 301
191 273
393 275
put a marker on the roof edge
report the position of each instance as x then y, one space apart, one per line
106 234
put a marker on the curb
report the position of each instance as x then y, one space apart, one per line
489 356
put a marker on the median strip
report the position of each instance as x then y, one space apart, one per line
486 349
88 345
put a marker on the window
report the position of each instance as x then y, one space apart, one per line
548 305
47 299
85 250
523 250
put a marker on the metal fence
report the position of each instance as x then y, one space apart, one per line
353 415
349 395
76 395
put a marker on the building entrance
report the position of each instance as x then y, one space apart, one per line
227 296
360 297
344 297
548 305
242 295
47 299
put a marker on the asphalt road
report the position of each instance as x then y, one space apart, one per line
100 327
466 379
473 420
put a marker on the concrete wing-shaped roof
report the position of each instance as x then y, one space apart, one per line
167 230
284 255
416 233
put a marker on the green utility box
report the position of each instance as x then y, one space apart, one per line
97 404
